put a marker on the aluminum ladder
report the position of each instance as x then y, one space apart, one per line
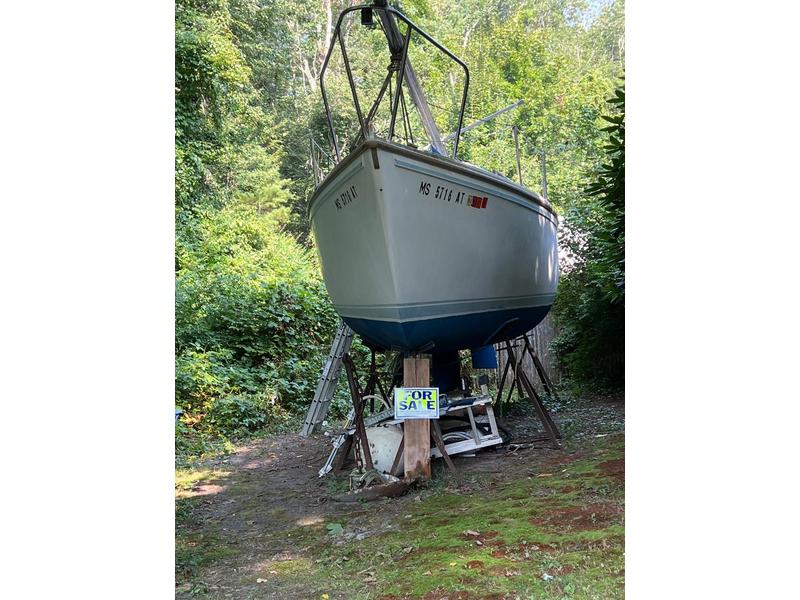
328 379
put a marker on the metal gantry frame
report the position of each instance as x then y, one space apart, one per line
398 45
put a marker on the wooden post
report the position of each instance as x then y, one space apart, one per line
417 432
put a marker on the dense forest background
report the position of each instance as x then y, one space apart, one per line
253 320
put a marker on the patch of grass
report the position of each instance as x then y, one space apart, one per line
292 567
201 448
186 478
338 484
578 559
194 552
557 536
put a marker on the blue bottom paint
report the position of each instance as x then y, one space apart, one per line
484 357
448 333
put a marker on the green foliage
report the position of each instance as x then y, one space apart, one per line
609 189
590 307
225 144
253 320
252 315
238 414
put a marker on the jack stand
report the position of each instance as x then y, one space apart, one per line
520 379
373 381
344 442
363 456
545 378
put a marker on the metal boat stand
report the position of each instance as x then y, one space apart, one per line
540 370
344 443
363 480
522 382
438 442
356 422
363 455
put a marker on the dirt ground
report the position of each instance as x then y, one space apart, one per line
521 521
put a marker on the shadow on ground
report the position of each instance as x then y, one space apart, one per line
518 522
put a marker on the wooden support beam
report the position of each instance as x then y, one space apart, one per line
417 432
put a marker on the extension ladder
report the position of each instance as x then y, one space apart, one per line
328 379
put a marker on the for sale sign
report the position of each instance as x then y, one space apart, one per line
416 403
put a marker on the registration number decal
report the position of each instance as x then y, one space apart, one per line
346 197
452 195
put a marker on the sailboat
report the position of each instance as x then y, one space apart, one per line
422 251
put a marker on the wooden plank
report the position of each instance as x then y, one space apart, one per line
468 446
475 433
417 432
396 462
341 455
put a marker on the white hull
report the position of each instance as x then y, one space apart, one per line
419 249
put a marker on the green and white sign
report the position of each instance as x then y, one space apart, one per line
416 403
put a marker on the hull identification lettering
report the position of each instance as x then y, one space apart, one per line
346 197
441 192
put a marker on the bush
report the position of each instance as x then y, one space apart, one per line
237 415
253 322
590 305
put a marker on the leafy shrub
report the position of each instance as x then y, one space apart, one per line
253 322
234 415
590 305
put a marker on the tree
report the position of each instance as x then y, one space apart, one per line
590 307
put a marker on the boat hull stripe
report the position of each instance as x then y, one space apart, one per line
430 310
